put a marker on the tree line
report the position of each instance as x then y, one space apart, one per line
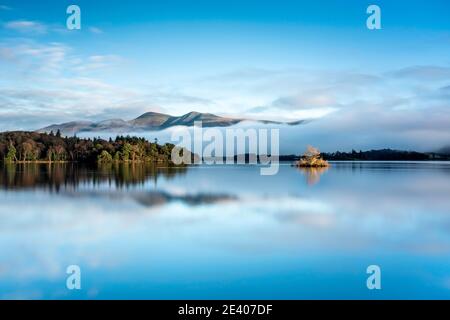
23 146
378 155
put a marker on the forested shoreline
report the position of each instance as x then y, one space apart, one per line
23 146
376 155
385 155
34 147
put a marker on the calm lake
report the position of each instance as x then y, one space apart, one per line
219 232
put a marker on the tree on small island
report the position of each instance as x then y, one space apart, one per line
312 159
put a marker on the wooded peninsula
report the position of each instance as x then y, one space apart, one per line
23 146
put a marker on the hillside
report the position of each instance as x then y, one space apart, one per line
150 121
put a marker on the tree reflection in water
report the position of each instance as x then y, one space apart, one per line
313 174
55 177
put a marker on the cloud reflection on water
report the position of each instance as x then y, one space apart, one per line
212 219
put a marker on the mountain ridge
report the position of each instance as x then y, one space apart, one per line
150 121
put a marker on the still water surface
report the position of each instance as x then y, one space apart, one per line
225 231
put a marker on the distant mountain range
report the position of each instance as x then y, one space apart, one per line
150 121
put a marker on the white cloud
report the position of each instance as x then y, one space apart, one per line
360 109
52 59
95 30
96 62
26 26
32 59
425 73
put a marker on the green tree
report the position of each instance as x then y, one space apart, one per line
117 156
126 151
11 155
104 157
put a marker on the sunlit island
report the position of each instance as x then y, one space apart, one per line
312 159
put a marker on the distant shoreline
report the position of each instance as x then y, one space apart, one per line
30 147
81 162
283 159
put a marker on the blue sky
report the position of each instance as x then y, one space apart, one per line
282 60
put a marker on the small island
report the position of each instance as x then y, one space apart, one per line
311 159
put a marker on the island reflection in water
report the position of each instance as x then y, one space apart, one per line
313 174
140 231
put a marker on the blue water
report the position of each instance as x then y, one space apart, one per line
226 232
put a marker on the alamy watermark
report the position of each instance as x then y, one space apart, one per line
73 21
373 22
73 281
234 147
374 280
